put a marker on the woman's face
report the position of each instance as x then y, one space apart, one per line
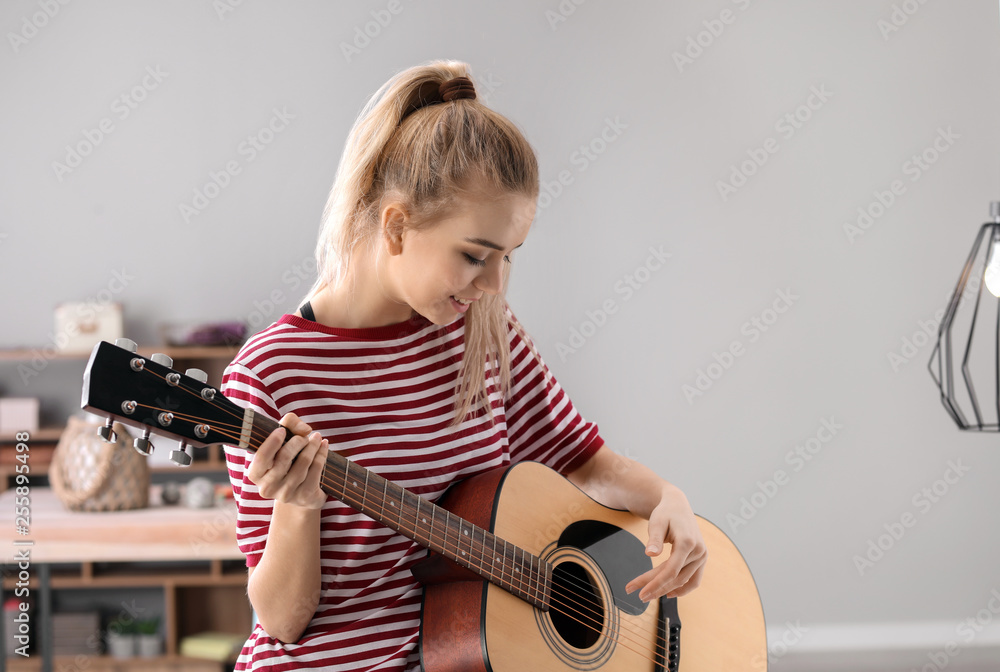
440 269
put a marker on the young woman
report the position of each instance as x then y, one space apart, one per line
406 358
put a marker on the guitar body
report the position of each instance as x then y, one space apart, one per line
470 625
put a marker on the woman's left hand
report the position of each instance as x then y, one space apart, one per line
672 521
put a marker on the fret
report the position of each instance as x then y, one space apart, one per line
430 533
385 490
532 574
503 563
364 493
493 561
416 519
459 540
447 526
518 569
347 471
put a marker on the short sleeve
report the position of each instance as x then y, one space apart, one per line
253 512
542 423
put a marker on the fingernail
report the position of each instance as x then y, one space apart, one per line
315 435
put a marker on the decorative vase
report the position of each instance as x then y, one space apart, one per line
150 646
121 645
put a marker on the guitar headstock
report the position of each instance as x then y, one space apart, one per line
145 393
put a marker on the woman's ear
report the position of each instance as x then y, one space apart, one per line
394 221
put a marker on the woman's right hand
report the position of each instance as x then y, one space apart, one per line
290 473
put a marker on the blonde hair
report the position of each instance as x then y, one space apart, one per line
408 143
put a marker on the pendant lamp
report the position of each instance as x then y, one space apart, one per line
965 363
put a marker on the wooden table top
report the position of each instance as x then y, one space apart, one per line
157 532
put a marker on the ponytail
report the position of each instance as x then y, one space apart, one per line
409 143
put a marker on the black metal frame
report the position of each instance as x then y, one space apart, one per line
944 377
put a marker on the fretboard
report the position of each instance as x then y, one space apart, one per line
495 560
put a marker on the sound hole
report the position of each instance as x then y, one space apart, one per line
577 609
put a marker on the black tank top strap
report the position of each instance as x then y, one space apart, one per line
307 312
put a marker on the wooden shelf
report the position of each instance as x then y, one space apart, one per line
190 555
109 664
41 435
175 352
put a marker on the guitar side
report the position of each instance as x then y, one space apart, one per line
469 625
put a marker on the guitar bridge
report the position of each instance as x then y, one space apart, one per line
668 640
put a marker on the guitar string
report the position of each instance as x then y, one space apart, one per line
596 620
595 615
255 434
232 433
517 583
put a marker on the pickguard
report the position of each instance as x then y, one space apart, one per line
620 555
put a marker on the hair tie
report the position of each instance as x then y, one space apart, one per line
457 88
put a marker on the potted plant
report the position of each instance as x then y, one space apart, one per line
150 644
122 640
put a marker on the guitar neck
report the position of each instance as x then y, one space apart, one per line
495 560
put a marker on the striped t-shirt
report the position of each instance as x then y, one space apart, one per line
384 398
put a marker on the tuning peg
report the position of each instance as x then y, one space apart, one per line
126 344
142 443
181 456
163 359
107 432
197 374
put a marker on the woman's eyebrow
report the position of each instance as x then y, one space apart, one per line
486 243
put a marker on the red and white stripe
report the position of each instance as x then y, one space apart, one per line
384 397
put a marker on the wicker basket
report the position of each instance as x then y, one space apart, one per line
88 474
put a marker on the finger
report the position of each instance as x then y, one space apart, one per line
295 424
311 483
639 582
682 551
287 472
285 455
693 561
690 585
658 527
263 458
298 468
670 588
654 582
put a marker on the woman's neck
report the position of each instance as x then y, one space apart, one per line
361 301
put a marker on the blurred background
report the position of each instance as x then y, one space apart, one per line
753 214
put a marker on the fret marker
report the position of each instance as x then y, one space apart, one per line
391 503
498 559
516 570
466 532
425 520
355 484
463 552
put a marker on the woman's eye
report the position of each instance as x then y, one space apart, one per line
472 260
506 258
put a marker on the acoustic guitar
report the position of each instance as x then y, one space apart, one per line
525 572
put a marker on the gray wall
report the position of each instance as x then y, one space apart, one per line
664 133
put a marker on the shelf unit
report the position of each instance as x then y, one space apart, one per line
211 359
183 561
203 585
209 595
